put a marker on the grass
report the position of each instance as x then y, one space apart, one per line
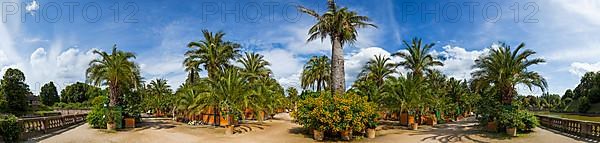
570 116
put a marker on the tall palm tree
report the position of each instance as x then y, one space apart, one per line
503 68
213 53
114 70
254 66
418 59
378 69
340 25
316 73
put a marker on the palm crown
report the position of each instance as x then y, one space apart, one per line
418 59
504 68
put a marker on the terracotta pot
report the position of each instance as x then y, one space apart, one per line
411 119
347 135
229 130
404 119
414 126
111 126
129 122
318 135
511 132
492 127
371 133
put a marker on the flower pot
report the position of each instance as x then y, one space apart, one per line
111 126
511 132
229 129
414 126
318 135
492 127
347 135
129 122
371 133
411 119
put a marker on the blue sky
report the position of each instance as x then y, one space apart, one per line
57 46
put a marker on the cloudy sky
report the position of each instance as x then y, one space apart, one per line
51 41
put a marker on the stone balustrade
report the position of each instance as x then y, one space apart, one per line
584 129
42 125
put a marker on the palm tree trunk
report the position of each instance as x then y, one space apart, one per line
319 85
337 66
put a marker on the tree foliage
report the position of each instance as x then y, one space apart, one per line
15 91
48 94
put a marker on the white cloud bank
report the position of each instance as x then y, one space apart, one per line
580 69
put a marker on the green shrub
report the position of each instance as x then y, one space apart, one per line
97 118
520 119
336 113
9 128
510 119
529 120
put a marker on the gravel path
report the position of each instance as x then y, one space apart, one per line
282 130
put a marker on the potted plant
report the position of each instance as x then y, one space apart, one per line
511 120
371 125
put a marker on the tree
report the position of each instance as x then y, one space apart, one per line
504 68
378 69
292 94
589 87
316 73
49 95
227 93
157 94
212 52
78 92
340 25
254 66
15 91
114 70
568 94
418 59
192 66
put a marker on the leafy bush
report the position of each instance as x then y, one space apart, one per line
9 128
97 118
510 119
336 113
529 120
520 119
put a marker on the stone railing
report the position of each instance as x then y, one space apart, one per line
37 126
584 129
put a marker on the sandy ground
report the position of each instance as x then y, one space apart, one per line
282 130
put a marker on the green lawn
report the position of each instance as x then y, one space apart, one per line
570 116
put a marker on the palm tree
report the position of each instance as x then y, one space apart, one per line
378 69
340 25
292 94
212 52
159 91
316 73
254 66
227 93
418 59
503 68
114 70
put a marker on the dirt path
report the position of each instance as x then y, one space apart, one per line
163 131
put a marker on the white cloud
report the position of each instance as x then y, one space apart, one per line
458 62
580 69
32 7
354 61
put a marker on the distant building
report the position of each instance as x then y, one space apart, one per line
33 100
